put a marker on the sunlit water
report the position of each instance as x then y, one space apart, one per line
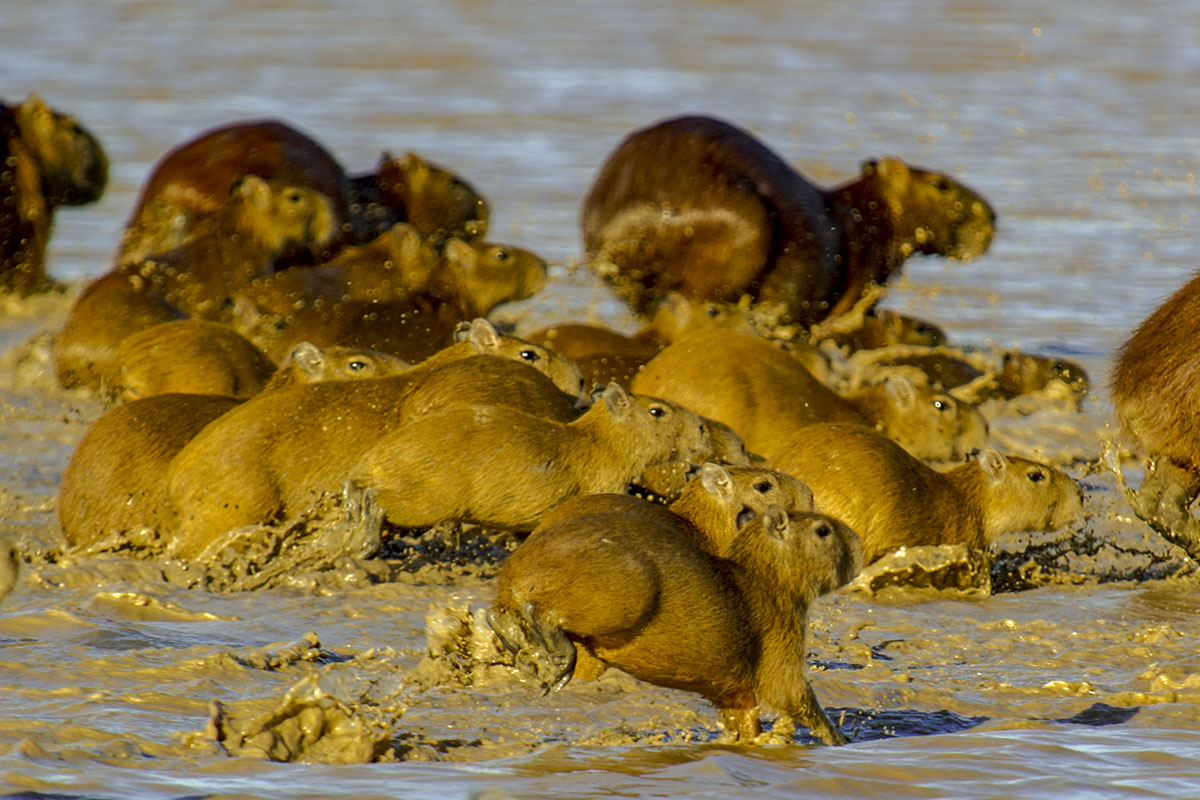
1079 123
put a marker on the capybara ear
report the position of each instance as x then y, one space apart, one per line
715 480
869 166
992 462
775 522
679 307
895 174
461 254
35 118
482 335
254 190
617 399
309 358
900 390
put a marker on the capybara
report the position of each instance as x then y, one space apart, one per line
699 206
894 500
192 182
191 357
427 470
109 310
49 160
641 597
1025 373
278 453
116 480
1156 390
664 482
243 240
410 189
307 363
469 280
885 328
764 394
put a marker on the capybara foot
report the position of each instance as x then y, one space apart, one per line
542 651
1163 501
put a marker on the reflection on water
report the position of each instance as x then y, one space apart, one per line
1077 122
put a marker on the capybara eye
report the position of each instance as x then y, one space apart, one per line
657 411
823 531
500 254
941 184
1036 476
529 355
941 405
356 365
714 311
762 487
293 196
1062 369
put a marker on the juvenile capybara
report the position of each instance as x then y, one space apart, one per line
641 597
428 470
49 160
193 182
884 328
665 482
307 363
1155 385
410 189
191 357
894 500
279 453
699 206
109 310
260 223
1025 373
765 394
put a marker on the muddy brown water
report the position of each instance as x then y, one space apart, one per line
1078 121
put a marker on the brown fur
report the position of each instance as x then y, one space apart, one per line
696 205
192 183
882 328
410 189
262 459
48 160
428 470
766 395
639 596
260 223
109 310
1025 373
191 357
894 500
307 363
667 481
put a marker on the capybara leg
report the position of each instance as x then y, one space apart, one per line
541 651
587 666
739 715
1163 500
811 714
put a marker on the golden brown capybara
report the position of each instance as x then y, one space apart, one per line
894 500
243 240
699 206
279 453
641 597
410 189
193 182
116 480
884 328
49 160
1026 373
191 357
469 280
1156 391
110 309
765 395
428 470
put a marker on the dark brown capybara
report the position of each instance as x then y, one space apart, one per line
191 357
1026 373
116 480
193 182
434 200
263 459
260 222
894 500
639 596
109 310
765 395
428 470
1155 385
696 205
49 160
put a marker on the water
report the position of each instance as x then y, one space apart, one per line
1077 121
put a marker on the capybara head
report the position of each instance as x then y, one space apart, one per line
1021 373
946 218
928 424
488 274
678 314
486 341
71 162
433 199
341 363
808 554
903 329
669 430
1023 495
281 216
